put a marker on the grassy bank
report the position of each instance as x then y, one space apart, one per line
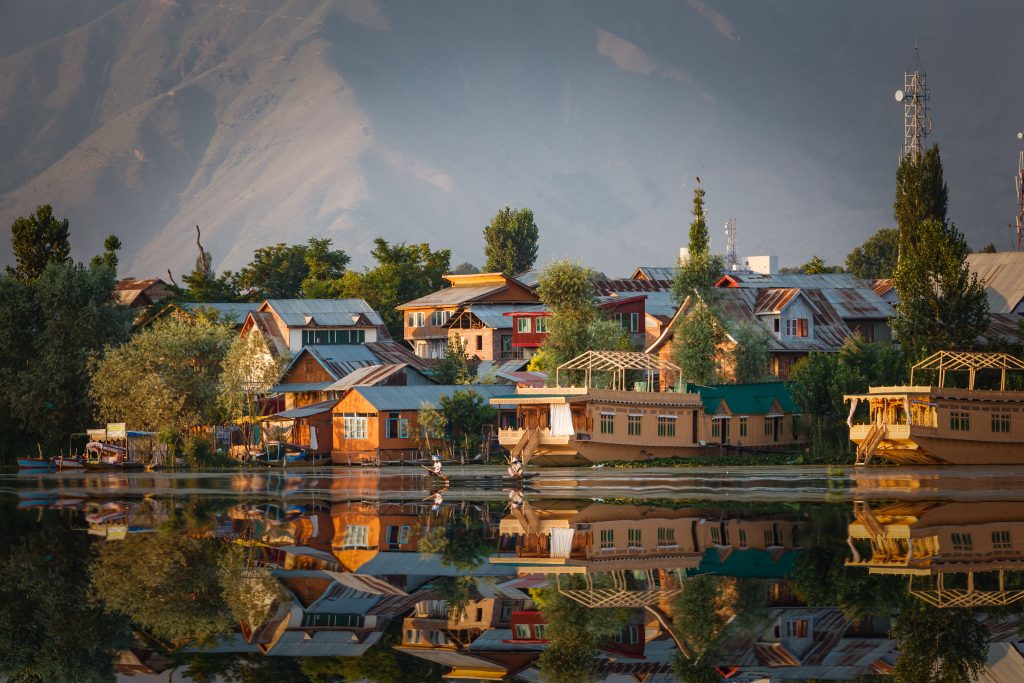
812 456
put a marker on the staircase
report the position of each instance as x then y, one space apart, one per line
527 445
866 449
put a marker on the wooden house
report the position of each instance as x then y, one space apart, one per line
530 326
760 415
141 293
427 319
381 423
291 324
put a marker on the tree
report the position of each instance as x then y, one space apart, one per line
166 582
816 266
403 272
203 283
433 422
382 663
467 413
167 376
700 270
50 327
108 258
751 353
275 272
465 268
325 268
461 543
989 248
695 343
938 645
247 371
942 303
38 240
455 366
510 242
876 258
921 195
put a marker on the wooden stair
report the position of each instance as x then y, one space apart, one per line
527 445
868 447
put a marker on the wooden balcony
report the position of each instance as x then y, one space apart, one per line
510 437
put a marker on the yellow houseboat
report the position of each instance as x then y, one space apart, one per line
945 425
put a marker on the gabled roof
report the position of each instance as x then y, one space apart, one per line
774 301
746 399
654 273
368 376
323 312
497 316
1002 275
851 297
337 359
390 352
883 286
411 397
471 288
308 411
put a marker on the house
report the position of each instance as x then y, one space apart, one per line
530 326
426 319
759 415
487 331
1002 275
291 324
381 423
799 313
141 293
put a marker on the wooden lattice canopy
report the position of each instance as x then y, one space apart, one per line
969 362
944 598
618 363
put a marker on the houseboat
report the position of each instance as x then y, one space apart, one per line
629 419
972 415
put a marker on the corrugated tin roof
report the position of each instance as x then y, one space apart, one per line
800 280
661 305
494 315
738 306
1003 326
368 376
298 312
323 644
530 278
411 397
655 273
774 301
298 387
426 564
306 411
340 359
1002 274
391 352
623 285
746 399
452 296
883 286
491 367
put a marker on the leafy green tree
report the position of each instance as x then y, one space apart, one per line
49 329
403 272
465 268
167 376
381 664
876 258
433 422
695 344
203 284
456 591
275 272
246 668
701 269
247 371
325 268
751 353
167 582
942 303
455 367
462 542
938 645
989 248
108 258
50 630
466 413
921 195
510 242
250 592
816 266
38 240
567 288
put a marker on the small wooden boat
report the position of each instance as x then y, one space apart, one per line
35 463
64 462
108 457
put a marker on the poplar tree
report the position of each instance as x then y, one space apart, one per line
510 242
921 194
38 240
698 273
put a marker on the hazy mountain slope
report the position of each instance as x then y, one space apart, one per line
273 120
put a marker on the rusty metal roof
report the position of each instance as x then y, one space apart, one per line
367 376
1002 274
1003 326
452 296
774 301
392 352
622 285
883 286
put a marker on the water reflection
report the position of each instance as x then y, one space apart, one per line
272 580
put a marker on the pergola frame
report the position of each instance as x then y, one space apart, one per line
943 597
620 595
618 363
969 362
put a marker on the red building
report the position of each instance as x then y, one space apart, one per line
530 627
530 327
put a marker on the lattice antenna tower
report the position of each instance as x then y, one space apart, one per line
732 261
917 121
1018 223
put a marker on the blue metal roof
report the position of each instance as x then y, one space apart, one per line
411 397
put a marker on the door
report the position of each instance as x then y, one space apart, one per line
725 429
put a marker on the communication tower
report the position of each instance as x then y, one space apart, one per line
732 262
917 122
1018 224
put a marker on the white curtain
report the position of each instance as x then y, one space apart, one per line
312 438
561 541
853 409
906 407
561 420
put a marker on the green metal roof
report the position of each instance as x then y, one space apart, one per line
749 563
746 399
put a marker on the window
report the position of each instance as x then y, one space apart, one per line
333 337
797 327
479 613
396 427
540 631
666 426
607 538
1001 540
523 326
438 318
797 628
522 632
629 635
541 325
479 342
355 427
1001 422
633 425
414 319
960 421
962 542
326 620
776 325
769 426
356 536
666 535
769 538
743 538
630 322
635 538
607 423
716 427
716 536
743 426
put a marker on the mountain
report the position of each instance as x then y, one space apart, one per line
276 120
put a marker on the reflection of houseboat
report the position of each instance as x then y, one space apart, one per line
978 423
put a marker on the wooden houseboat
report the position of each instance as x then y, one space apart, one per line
979 422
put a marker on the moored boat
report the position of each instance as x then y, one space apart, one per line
980 422
35 463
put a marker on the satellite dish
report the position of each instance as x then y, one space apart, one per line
899 95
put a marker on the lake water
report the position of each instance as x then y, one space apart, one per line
617 575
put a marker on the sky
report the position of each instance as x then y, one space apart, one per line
278 120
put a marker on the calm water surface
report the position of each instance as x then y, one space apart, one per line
652 575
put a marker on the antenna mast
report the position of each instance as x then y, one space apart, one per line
917 122
1018 224
732 262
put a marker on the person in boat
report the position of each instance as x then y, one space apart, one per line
515 499
437 465
438 500
515 468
